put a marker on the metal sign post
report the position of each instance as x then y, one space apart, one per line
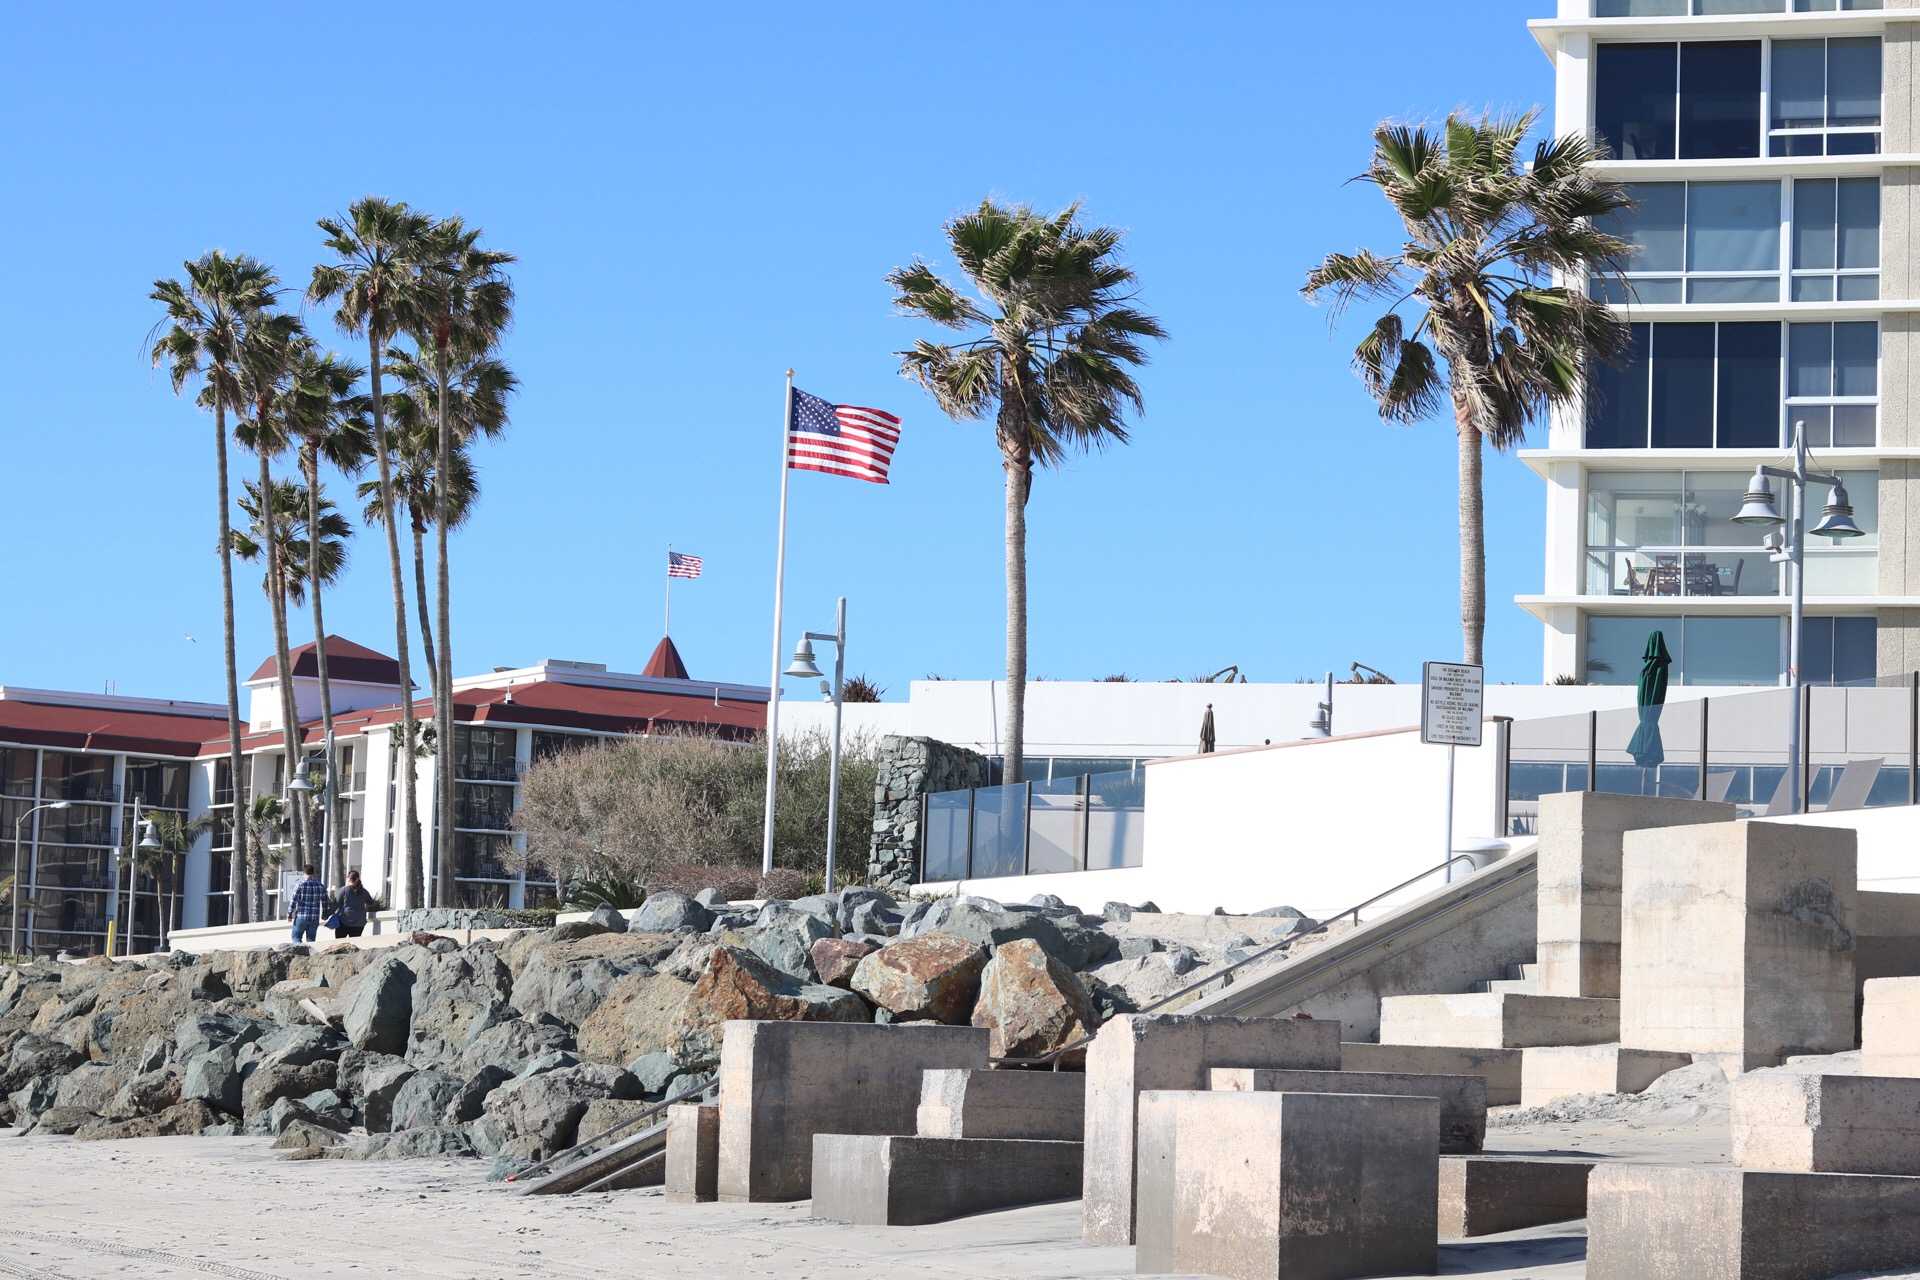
1452 706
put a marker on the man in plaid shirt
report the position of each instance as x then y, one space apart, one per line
309 903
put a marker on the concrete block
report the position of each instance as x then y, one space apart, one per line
1550 1073
1826 1124
1738 941
1578 900
1002 1104
1671 1222
1463 1099
1136 1052
1498 1020
693 1152
1500 1068
1482 1195
783 1082
1307 1186
881 1181
1890 1027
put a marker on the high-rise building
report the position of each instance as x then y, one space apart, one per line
1771 152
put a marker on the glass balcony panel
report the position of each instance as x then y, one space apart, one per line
999 831
945 840
1116 819
1057 822
1842 573
1728 573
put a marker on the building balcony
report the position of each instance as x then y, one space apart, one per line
1551 33
1542 605
1842 459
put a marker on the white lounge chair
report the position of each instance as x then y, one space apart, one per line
1855 782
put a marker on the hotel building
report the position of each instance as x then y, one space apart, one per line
1772 150
96 755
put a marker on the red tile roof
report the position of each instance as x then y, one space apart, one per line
98 729
665 662
345 661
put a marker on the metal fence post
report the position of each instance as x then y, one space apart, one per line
920 840
1913 737
1700 793
1026 827
1503 745
1804 765
1085 825
1593 749
973 795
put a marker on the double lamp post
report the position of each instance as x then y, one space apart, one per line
803 667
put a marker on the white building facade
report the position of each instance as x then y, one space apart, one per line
1770 148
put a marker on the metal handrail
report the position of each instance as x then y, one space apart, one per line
622 1127
1055 1055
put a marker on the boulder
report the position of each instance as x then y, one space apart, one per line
252 972
182 1119
874 918
145 1095
637 1016
609 919
361 1069
512 1043
198 1032
987 923
453 993
1083 944
547 1107
376 1089
36 1057
62 1120
334 966
569 981
857 897
299 1045
447 1141
422 1101
33 1099
559 1060
1049 900
88 1088
376 1007
670 911
1132 945
287 1112
606 1114
274 1078
1031 1004
574 930
739 984
1132 985
834 960
283 999
655 1071
471 1102
213 1076
786 941
929 978
303 1139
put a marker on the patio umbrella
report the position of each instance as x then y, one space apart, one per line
1206 731
1651 695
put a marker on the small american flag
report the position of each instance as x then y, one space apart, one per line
841 439
682 565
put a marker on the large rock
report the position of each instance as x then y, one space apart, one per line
569 980
88 1088
376 1088
983 921
196 1033
297 1045
670 911
454 993
335 966
930 978
856 898
739 984
1031 1004
422 1101
835 959
275 1078
574 930
253 972
786 940
213 1076
183 1118
376 1007
1133 984
60 1121
638 1016
359 1067
512 1043
609 919
1083 943
547 1107
440 1142
471 1102
880 919
145 1095
36 1057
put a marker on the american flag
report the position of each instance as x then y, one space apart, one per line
841 439
682 565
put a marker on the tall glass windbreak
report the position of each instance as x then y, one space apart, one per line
999 831
1056 826
1116 819
945 839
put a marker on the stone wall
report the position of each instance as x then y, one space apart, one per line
909 769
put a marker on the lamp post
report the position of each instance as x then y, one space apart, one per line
803 667
297 791
13 935
1758 508
144 843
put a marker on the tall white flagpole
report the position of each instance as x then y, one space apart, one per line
666 623
773 679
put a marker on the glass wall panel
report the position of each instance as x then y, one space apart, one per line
1614 646
1640 9
1749 385
74 776
1634 100
484 857
1853 81
1859 222
1683 386
1719 99
1815 221
488 806
1799 89
1633 508
1617 396
483 753
1000 831
16 770
1116 819
1723 651
1733 226
944 846
1056 823
1856 359
1655 226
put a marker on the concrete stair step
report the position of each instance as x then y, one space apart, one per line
1529 971
1500 1068
900 1181
1550 1073
1498 1020
1507 986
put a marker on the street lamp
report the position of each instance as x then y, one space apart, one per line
1789 546
803 667
13 935
144 842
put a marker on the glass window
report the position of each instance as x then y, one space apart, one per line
1733 226
1825 97
1719 99
1665 533
1655 225
1839 650
1614 646
483 753
547 744
74 776
17 765
1634 99
1683 386
1748 395
1723 651
485 805
1706 8
1833 383
1617 396
485 857
158 784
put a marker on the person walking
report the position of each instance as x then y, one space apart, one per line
353 905
309 903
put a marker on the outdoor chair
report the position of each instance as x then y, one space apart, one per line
1718 784
1855 782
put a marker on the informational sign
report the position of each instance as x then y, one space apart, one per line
1452 702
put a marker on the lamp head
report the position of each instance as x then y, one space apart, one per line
802 667
61 804
1757 507
1837 520
299 785
148 844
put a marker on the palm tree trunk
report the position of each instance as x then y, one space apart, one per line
282 660
443 686
408 733
1019 485
237 862
334 858
420 602
1473 542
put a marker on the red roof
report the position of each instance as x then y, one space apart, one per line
345 661
99 729
665 662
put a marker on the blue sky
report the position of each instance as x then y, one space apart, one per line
699 199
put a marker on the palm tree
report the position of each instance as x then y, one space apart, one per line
1051 341
265 366
266 820
1487 333
378 244
413 483
326 414
207 319
175 835
465 303
298 565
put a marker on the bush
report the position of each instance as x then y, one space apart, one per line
641 809
731 883
784 882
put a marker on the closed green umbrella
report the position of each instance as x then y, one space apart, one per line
1650 696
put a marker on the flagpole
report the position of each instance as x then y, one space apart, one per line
773 679
666 623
